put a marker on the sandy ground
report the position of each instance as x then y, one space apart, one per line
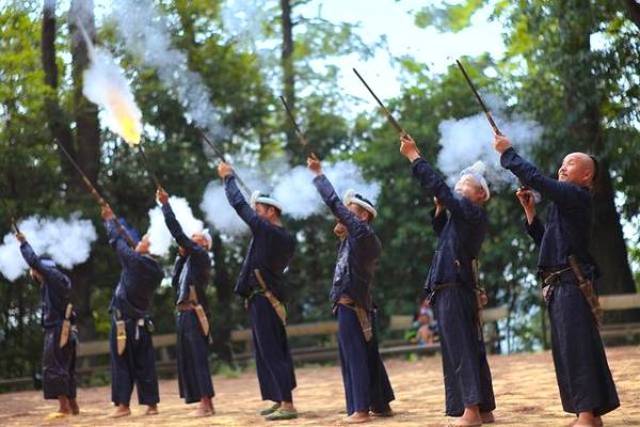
525 387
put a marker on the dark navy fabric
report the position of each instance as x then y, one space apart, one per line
270 251
569 217
55 291
274 364
137 365
141 275
461 229
58 364
582 371
365 380
461 236
583 375
467 378
192 348
194 269
358 253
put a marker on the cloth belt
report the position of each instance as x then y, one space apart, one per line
363 315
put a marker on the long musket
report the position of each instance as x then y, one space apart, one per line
220 155
301 136
149 169
92 189
535 194
14 225
479 98
386 112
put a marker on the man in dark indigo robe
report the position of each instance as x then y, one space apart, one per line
141 275
58 361
261 283
452 283
366 384
191 276
586 386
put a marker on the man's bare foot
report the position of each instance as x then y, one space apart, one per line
287 406
205 409
121 411
357 418
75 409
487 417
587 419
56 415
152 410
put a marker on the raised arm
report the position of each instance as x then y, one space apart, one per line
355 226
172 223
435 185
239 203
563 193
126 255
52 275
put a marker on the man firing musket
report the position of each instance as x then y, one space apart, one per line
133 358
567 271
191 276
58 317
452 288
261 283
366 384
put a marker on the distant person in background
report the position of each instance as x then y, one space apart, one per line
59 354
425 324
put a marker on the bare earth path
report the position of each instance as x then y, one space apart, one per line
525 387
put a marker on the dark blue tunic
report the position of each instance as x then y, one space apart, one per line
271 250
140 277
461 232
192 269
58 364
366 385
582 371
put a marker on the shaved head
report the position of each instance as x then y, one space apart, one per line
578 168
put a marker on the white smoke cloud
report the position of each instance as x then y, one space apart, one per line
146 34
470 139
293 187
243 21
67 242
159 236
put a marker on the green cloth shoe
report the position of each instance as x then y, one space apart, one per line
281 414
270 410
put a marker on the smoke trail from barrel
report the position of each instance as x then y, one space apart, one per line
469 139
146 34
67 242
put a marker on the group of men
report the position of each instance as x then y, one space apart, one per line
566 270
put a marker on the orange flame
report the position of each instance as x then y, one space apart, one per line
125 117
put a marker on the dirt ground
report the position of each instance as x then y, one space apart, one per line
525 387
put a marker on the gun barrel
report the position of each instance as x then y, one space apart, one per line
92 189
487 113
146 164
220 155
386 112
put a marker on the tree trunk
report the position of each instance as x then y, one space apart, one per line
633 11
87 143
288 72
585 130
